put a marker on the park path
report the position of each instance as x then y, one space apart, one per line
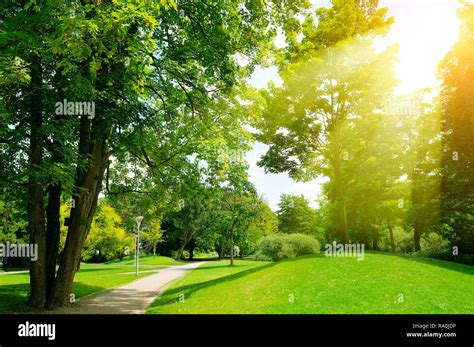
14 272
131 298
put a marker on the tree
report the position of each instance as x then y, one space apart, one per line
377 160
424 174
331 77
264 223
153 236
192 216
239 206
13 229
107 238
457 126
295 215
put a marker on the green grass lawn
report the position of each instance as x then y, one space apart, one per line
147 261
92 278
382 283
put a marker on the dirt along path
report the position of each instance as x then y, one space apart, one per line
131 298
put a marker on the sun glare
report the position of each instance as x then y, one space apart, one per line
425 32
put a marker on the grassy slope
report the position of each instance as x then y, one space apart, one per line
324 285
92 278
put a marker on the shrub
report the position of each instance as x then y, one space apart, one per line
107 238
284 246
406 243
401 239
433 245
302 244
269 248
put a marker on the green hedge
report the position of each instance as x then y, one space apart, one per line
284 246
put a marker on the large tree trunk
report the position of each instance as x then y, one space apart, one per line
191 247
375 239
179 256
186 239
219 249
36 217
53 209
392 240
231 239
417 237
365 238
87 188
340 201
53 226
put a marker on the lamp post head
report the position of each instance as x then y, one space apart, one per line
138 220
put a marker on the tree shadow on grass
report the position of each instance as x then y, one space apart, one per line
81 289
13 298
169 296
101 269
226 266
448 265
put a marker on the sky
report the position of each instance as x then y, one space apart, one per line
425 31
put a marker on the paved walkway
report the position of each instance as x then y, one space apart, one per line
132 298
14 272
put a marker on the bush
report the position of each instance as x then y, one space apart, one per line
406 243
276 247
402 240
107 238
433 245
303 244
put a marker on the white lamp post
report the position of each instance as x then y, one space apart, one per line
138 220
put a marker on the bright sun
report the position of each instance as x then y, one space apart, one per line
426 31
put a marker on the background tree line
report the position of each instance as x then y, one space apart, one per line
399 167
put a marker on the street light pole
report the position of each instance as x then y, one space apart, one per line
139 220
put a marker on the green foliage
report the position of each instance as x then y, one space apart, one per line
333 79
457 105
13 227
107 239
153 236
434 245
264 223
280 246
295 215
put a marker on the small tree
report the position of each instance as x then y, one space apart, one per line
153 236
295 215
